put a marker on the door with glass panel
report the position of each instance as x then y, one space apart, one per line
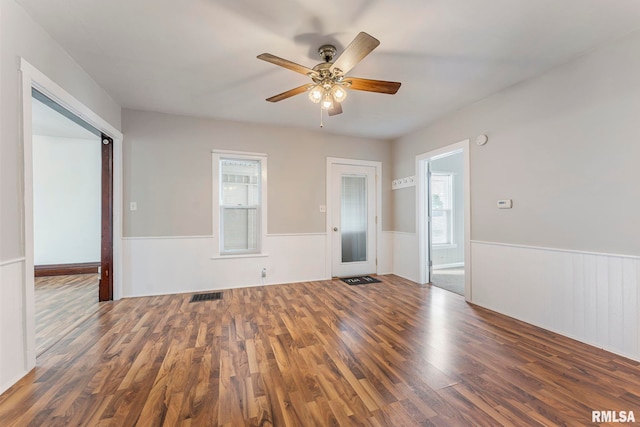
353 225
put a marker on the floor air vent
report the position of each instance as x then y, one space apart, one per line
211 296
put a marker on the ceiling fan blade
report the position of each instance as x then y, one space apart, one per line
291 92
286 64
379 86
336 109
360 47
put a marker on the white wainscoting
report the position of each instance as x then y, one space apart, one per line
385 262
12 334
593 298
166 265
405 255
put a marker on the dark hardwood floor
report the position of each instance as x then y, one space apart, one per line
317 354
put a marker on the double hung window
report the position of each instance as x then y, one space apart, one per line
442 208
239 196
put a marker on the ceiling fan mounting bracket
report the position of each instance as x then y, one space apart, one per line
327 52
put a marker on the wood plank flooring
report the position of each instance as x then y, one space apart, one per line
62 303
317 354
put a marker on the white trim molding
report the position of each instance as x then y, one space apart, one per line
573 251
166 237
12 261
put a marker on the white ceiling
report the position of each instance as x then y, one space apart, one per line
198 57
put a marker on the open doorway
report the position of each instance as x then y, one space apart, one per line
443 218
446 203
72 219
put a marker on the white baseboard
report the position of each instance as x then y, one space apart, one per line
593 298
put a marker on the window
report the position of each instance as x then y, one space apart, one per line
441 209
239 196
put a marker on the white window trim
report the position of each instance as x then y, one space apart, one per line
215 163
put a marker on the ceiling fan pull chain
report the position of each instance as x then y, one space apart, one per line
320 117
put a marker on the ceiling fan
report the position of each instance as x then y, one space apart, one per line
330 82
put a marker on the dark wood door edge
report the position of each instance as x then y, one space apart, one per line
105 291
66 269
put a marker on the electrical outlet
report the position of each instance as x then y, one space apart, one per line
133 206
264 272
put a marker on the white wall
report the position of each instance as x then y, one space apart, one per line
562 146
169 245
167 172
66 199
20 37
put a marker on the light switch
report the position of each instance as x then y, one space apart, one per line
133 206
505 204
323 208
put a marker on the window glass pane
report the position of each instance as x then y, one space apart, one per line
441 205
440 228
441 191
240 182
354 218
239 229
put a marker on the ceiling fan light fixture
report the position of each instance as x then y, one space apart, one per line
339 93
316 94
327 101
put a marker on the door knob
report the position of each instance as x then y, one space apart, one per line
335 228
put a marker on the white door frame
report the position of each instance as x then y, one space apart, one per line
329 197
33 78
422 214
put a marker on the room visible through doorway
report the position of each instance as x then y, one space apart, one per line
443 218
68 204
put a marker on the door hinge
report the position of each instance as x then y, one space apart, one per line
430 263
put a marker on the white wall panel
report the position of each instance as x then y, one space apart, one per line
166 265
405 256
12 360
589 297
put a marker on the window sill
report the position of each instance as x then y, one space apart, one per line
232 256
450 246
